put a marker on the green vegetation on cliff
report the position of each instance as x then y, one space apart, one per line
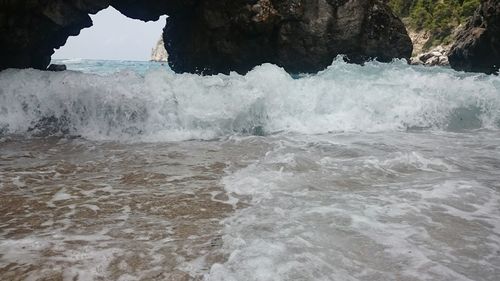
439 17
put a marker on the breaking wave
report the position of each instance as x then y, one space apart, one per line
164 106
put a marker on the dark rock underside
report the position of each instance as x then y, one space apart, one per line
213 36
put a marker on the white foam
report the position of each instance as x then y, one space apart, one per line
18 183
166 106
365 216
410 160
71 61
60 195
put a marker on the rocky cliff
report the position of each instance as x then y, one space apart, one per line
423 54
478 46
159 53
212 36
299 35
436 20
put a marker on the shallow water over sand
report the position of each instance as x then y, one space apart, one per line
392 206
109 211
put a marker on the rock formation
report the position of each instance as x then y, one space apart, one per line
436 56
212 36
477 47
31 30
159 53
424 55
299 35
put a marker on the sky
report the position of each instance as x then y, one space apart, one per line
114 37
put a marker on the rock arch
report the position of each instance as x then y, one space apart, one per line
213 36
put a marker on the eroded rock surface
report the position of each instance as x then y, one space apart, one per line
299 35
478 46
216 36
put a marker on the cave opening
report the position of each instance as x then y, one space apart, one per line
113 36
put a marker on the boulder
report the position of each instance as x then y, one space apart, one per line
57 67
436 56
477 48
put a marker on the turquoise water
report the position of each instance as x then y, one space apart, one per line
106 67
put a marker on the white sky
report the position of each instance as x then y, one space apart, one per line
114 37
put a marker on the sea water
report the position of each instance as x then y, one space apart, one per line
128 171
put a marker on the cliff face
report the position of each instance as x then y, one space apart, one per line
159 52
477 47
299 35
212 36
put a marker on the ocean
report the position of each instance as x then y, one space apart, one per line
118 170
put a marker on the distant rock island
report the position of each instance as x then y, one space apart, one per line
159 53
